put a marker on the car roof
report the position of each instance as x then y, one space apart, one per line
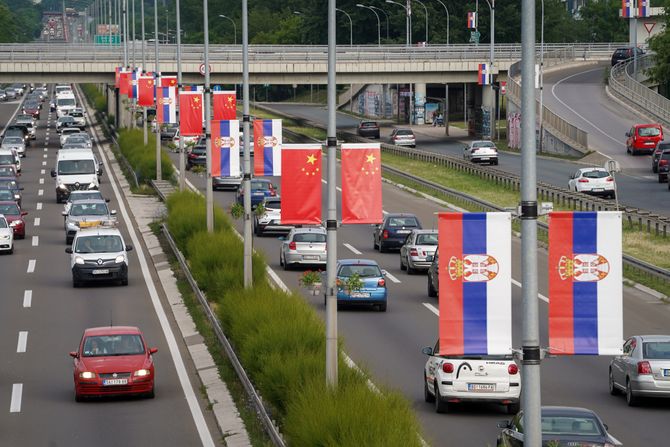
317 229
400 215
648 125
75 154
594 168
566 411
358 262
654 337
99 231
93 201
112 330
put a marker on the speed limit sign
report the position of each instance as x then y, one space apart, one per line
201 69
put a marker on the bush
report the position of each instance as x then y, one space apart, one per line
96 98
143 158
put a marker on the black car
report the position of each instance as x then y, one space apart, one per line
196 157
660 147
393 230
368 129
622 54
560 426
434 276
663 166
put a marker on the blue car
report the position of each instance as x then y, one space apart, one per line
373 292
393 231
260 189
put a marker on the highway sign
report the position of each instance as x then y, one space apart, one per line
474 36
103 39
649 26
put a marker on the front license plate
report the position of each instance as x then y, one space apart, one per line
666 372
100 272
481 387
111 382
360 295
310 258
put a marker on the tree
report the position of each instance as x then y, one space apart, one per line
660 44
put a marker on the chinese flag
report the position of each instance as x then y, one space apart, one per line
190 113
301 184
145 87
168 81
125 82
117 71
361 184
225 105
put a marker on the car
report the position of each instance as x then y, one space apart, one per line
18 88
260 189
65 121
81 138
434 276
403 137
660 147
663 166
76 169
12 185
270 220
197 156
223 182
3 95
79 118
372 290
20 130
89 213
368 129
10 157
112 361
9 170
32 108
6 236
168 131
393 230
25 119
66 132
593 181
10 93
643 138
7 195
76 196
623 54
643 370
31 128
188 140
15 143
561 426
418 250
98 254
42 92
481 151
303 246
452 379
14 215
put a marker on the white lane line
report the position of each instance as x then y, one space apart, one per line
46 155
44 163
43 171
36 241
46 149
351 247
40 192
17 391
31 265
338 188
27 298
38 206
37 222
41 181
539 295
22 344
432 308
392 278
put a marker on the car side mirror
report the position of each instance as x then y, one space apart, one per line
74 354
504 424
427 350
113 212
68 250
153 351
129 248
384 272
24 213
53 173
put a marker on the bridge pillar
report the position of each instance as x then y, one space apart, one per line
111 100
489 102
419 103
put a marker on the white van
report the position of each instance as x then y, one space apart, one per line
65 102
76 169
64 88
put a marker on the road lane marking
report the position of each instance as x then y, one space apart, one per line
40 192
38 206
46 150
46 155
539 295
27 298
36 241
392 278
350 247
432 308
22 343
17 391
31 265
41 181
44 163
43 171
37 222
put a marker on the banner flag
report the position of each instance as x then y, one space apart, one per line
166 105
225 148
146 91
361 183
190 114
225 105
301 184
267 147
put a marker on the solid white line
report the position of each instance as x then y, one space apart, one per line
194 406
40 192
27 298
31 265
22 343
432 308
36 241
350 247
38 206
539 295
17 391
41 181
392 278
37 222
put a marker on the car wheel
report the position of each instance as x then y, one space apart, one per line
654 168
660 178
75 283
431 290
382 307
381 247
614 391
124 281
11 250
402 265
631 399
281 260
374 243
257 232
410 269
513 408
151 394
495 163
440 405
78 397
426 393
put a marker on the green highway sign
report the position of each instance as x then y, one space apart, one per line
103 39
474 36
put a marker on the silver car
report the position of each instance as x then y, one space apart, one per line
403 137
643 370
418 250
270 220
15 143
87 214
481 151
303 246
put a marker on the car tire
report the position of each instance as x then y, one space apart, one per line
513 408
410 269
426 393
124 281
440 405
11 250
374 243
631 399
614 391
257 231
78 397
381 247
495 163
654 168
402 265
151 394
382 307
431 290
660 178
76 284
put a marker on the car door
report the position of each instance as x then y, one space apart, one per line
431 366
628 363
408 241
618 364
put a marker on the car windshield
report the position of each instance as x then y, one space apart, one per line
89 209
8 184
66 167
363 270
403 222
309 237
483 144
6 194
259 186
9 208
369 124
595 174
76 138
273 204
426 239
85 196
6 171
12 140
199 151
404 132
3 223
656 350
649 131
118 344
99 244
65 102
6 159
569 425
65 119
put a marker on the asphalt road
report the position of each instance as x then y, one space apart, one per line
45 413
389 344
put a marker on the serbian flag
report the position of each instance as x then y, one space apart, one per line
225 148
168 81
117 72
472 20
192 88
190 113
134 76
145 91
626 8
475 277
166 105
643 8
125 82
483 77
361 183
585 283
301 184
267 147
225 105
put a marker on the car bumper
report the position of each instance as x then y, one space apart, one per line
419 264
644 149
19 230
508 397
95 388
85 272
274 228
393 243
6 245
369 134
410 143
649 387
310 259
226 182
484 159
604 192
374 298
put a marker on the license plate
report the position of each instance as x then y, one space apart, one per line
89 224
484 158
403 231
100 272
429 258
360 295
598 189
666 372
310 258
481 387
108 382
258 194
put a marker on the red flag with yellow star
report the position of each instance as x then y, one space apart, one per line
145 89
225 105
168 81
301 184
361 183
190 113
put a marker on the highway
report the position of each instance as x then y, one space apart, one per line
37 392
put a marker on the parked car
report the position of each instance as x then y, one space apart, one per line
368 129
481 151
403 137
6 236
14 215
260 189
373 291
434 276
643 370
418 250
594 181
643 138
303 246
660 147
393 230
623 54
270 220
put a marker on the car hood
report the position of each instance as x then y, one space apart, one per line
71 179
6 231
110 364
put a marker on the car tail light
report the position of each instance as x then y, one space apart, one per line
385 234
512 369
609 179
448 367
292 246
381 283
643 367
662 162
583 180
413 252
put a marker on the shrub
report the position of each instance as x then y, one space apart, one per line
94 96
143 158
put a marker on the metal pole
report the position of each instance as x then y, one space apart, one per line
247 158
634 22
465 105
426 13
159 173
387 19
331 222
541 143
182 156
530 398
109 11
492 44
446 109
234 27
144 67
209 193
167 26
133 11
448 20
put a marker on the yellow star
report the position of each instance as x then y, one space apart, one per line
196 99
311 159
370 159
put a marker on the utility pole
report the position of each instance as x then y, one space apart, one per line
144 67
159 173
209 197
182 157
247 158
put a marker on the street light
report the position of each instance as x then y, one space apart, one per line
408 21
425 10
541 72
492 9
351 26
379 25
234 27
387 19
448 20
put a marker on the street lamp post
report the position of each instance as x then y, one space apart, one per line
408 20
159 173
182 156
387 19
425 10
209 196
379 25
492 9
351 26
541 144
144 67
234 27
448 19
248 265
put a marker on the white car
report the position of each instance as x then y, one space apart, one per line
99 254
403 137
418 250
17 144
10 157
81 138
481 151
594 181
65 133
270 221
453 379
79 118
82 195
6 236
303 246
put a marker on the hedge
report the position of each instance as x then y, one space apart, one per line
96 98
143 158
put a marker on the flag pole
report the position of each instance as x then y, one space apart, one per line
159 173
209 197
144 66
182 158
247 159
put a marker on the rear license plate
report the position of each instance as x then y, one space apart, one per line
100 272
108 382
403 231
429 258
258 194
481 387
360 295
310 258
89 224
598 189
484 158
666 372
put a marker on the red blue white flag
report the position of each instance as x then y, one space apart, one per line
627 8
585 283
483 76
643 8
267 147
475 288
166 105
135 74
472 20
225 148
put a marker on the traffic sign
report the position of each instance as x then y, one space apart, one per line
201 69
103 39
503 87
649 26
474 36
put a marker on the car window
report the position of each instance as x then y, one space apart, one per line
404 132
3 223
309 237
402 222
89 209
8 184
595 174
363 270
122 344
665 155
273 204
6 194
657 350
426 239
68 167
368 124
567 425
12 140
259 186
483 144
99 244
6 159
649 131
9 208
85 196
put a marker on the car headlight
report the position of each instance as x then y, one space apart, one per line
62 186
17 196
119 259
79 260
92 185
14 223
4 237
142 373
87 375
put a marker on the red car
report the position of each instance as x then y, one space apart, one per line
113 361
14 215
643 138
